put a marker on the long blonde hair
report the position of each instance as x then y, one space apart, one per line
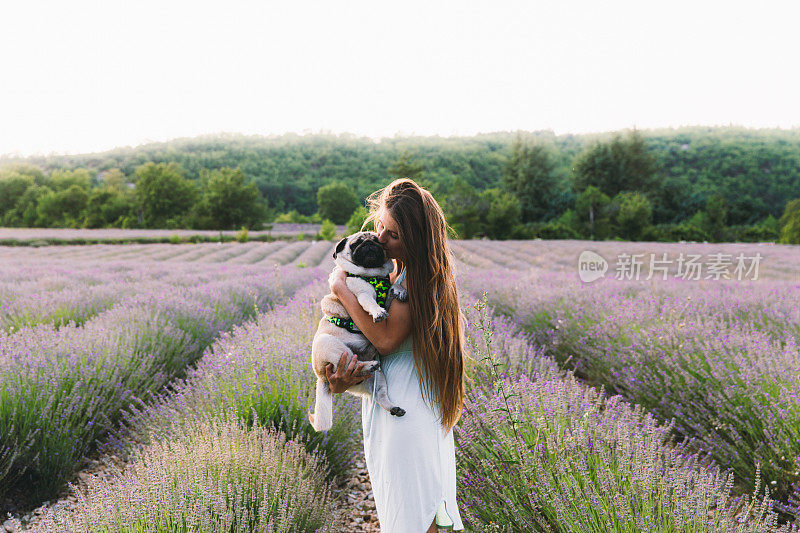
437 323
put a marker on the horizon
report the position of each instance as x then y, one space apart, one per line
307 133
95 75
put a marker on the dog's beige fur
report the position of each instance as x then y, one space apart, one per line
330 340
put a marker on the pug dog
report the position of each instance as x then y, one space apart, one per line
364 259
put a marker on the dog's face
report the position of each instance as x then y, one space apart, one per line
363 249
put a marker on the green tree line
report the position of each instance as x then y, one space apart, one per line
156 195
689 183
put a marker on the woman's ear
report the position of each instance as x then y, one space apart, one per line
339 247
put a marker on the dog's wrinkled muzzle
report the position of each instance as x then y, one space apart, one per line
369 254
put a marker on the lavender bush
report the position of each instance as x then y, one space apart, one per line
71 290
75 304
211 476
778 262
259 373
260 252
197 455
545 453
60 390
720 359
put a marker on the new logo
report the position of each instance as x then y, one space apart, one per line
591 266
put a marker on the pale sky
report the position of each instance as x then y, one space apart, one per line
84 76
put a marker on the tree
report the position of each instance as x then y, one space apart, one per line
107 207
62 208
162 193
790 223
12 186
634 216
589 208
790 233
791 207
616 166
20 189
771 224
61 180
673 199
357 220
529 175
406 167
336 202
715 219
466 209
27 206
230 201
504 214
115 179
24 169
744 209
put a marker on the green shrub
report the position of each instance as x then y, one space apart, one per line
357 220
556 230
688 232
757 233
293 217
328 230
242 235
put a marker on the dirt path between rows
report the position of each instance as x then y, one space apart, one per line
356 499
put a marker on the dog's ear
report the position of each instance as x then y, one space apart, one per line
340 247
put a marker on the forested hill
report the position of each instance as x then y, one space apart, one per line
756 170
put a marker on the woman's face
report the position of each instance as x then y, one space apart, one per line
388 235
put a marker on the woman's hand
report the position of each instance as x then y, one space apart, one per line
338 282
346 375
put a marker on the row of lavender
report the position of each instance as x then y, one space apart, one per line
229 448
62 389
73 291
540 451
718 359
774 262
298 253
638 260
117 234
537 450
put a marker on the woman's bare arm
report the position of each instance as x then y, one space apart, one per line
387 335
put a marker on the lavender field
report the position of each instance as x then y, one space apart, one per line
60 235
638 401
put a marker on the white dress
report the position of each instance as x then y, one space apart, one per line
411 464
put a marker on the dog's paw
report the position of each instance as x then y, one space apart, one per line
370 366
380 317
400 293
397 411
319 425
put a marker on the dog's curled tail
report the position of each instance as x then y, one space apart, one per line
322 417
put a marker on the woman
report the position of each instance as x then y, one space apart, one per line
411 459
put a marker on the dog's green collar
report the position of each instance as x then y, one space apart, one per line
346 323
381 284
